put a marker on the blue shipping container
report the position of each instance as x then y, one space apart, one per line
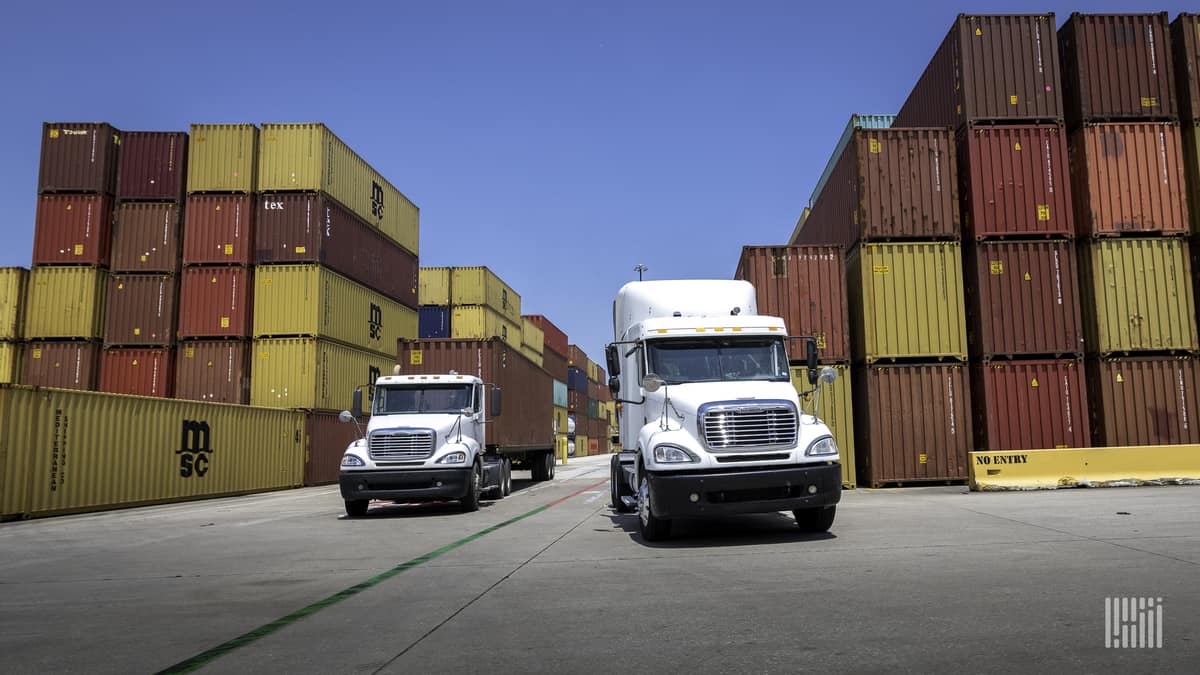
560 394
576 379
856 122
433 321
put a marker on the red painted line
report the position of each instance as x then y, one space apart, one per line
575 494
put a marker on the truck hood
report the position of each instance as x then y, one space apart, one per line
686 399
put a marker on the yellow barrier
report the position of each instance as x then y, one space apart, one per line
1085 467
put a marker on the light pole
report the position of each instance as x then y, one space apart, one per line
639 268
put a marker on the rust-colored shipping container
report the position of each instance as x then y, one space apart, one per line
1117 66
141 310
218 230
1144 400
1015 181
217 371
325 441
577 402
1185 42
555 364
215 302
593 391
146 237
1030 405
138 372
73 229
527 411
577 357
555 339
912 423
66 365
889 184
312 228
1128 178
806 286
1022 299
153 166
79 157
989 67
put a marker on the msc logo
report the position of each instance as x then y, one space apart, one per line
375 322
194 449
377 200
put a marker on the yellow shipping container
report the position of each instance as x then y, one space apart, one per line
532 336
593 371
434 286
536 357
12 302
65 451
311 374
906 301
581 446
1136 295
311 157
837 411
477 322
65 302
10 362
560 420
481 286
309 300
222 157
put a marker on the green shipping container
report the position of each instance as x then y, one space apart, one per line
837 411
65 302
10 362
480 323
433 287
13 282
1136 295
222 158
906 301
1191 169
312 301
311 374
481 286
310 157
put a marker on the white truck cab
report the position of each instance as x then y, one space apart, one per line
709 421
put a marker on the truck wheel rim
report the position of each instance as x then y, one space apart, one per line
644 502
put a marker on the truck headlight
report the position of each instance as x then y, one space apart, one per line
673 454
351 460
458 457
821 447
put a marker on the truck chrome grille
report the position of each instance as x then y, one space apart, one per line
400 444
749 426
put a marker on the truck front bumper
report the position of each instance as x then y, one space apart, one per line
412 485
680 495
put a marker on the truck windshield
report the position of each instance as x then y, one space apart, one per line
678 361
434 398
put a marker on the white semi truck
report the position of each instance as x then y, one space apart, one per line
709 421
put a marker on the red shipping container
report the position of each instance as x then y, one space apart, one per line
1144 400
312 228
138 372
65 365
1030 405
577 357
555 364
577 402
79 157
555 339
1128 178
218 230
326 439
1185 42
141 311
73 229
215 302
217 371
153 166
1015 181
806 287
146 237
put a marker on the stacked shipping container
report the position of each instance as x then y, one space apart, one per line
554 361
13 281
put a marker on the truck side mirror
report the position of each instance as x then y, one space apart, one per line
811 359
614 384
496 405
356 404
614 361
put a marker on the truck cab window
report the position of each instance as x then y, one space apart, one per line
680 361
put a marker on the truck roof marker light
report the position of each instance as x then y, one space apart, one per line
700 330
737 329
718 330
662 331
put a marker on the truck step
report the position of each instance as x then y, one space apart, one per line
630 502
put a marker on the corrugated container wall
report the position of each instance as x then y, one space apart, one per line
311 374
477 322
138 372
222 158
481 286
576 357
532 336
310 157
836 409
1015 181
576 379
560 394
146 237
1144 401
311 301
433 322
11 355
13 284
1136 295
912 423
1129 178
326 439
65 302
1030 405
533 356
906 301
1023 298
141 310
216 371
66 365
225 450
806 286
79 157
434 286
1185 42
1117 66
856 122
312 228
1191 169
73 229
215 302
219 230
153 166
804 213
555 339
990 67
555 364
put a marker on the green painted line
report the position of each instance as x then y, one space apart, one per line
204 658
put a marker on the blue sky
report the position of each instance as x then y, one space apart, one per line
559 143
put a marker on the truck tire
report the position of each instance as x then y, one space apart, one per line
819 519
470 501
617 487
507 480
651 527
551 462
356 508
